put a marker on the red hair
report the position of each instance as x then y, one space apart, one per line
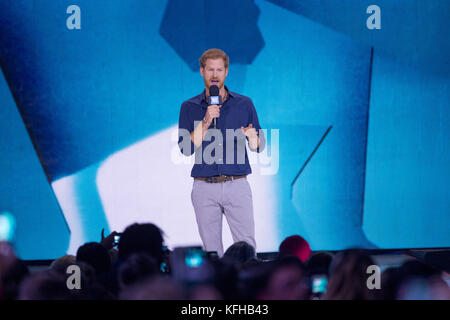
296 246
214 54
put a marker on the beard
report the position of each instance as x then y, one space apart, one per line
209 83
219 84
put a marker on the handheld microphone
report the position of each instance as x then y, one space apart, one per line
214 98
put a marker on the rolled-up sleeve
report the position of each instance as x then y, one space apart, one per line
185 127
253 119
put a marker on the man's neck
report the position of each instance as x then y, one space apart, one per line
223 92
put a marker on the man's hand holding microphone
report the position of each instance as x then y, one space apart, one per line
213 112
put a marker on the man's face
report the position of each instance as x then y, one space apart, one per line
214 73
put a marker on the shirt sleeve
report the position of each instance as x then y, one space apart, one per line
253 119
185 127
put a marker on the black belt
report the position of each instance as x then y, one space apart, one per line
217 179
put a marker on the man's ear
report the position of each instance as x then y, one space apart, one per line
226 71
201 71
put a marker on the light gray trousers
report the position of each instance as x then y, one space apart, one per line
232 199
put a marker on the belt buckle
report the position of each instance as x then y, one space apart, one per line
212 179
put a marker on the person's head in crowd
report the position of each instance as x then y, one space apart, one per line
225 278
88 276
283 279
60 265
251 263
295 246
390 280
47 285
90 289
423 288
154 288
52 279
94 254
415 280
319 263
141 238
12 272
415 268
7 260
135 268
240 252
348 277
253 277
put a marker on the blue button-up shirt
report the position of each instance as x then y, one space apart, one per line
223 151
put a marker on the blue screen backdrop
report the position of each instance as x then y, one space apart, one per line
362 118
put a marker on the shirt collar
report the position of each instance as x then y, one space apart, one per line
203 95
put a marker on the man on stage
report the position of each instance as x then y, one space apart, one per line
216 125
